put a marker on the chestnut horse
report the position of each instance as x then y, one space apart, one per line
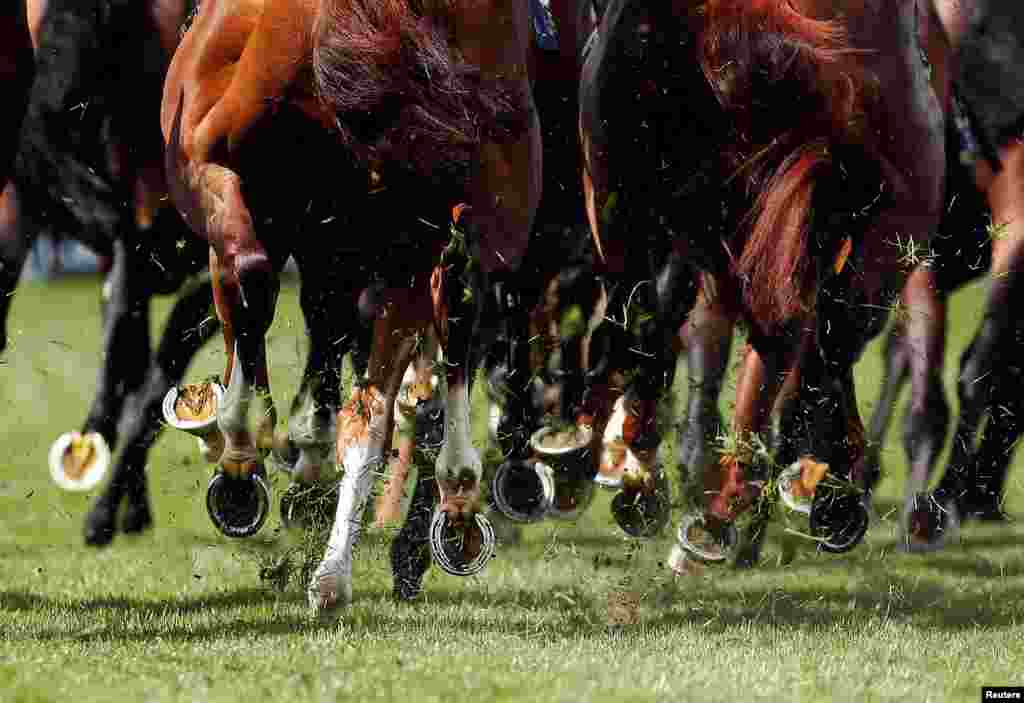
382 115
742 195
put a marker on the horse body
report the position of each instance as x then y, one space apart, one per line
16 73
831 120
412 101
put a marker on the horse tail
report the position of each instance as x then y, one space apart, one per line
386 69
775 259
781 75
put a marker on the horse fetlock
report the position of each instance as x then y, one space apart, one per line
211 447
731 489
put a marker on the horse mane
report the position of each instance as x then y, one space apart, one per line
398 91
784 77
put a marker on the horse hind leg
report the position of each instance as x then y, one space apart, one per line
993 458
417 388
927 417
364 434
895 370
187 329
80 457
312 432
708 335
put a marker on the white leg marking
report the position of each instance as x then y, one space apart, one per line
332 581
458 451
233 415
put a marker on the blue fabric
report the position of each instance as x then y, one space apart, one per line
544 25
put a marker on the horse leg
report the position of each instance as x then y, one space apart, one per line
895 370
365 426
927 418
416 388
993 344
707 338
188 327
123 367
15 244
245 287
994 456
333 331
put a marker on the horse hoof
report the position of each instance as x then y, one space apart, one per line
79 462
523 491
238 505
193 408
461 550
708 542
927 525
572 498
792 491
100 525
328 593
643 513
308 506
838 520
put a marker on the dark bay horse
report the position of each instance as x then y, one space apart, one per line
383 115
98 175
17 69
985 53
88 167
780 204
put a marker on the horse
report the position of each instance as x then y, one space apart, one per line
17 71
736 193
103 191
413 109
154 252
985 50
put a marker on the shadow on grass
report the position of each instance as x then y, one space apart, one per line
553 612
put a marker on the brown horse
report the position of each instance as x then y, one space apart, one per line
842 106
382 115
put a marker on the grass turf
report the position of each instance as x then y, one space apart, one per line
574 613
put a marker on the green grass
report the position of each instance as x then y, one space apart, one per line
181 614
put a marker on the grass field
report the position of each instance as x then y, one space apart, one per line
575 613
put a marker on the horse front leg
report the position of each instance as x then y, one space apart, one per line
365 427
927 417
416 390
461 538
79 459
992 348
707 339
733 485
